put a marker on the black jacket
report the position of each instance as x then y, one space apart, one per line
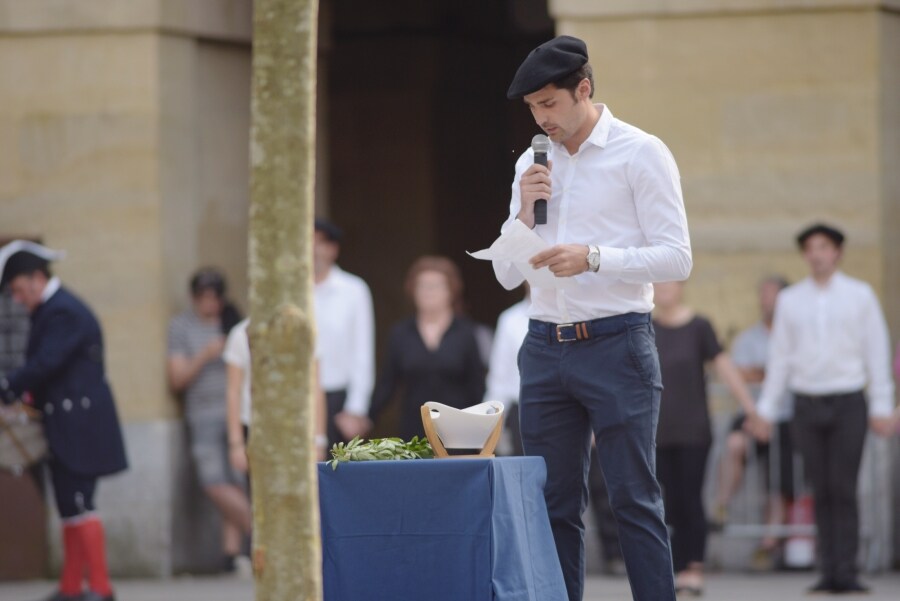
64 375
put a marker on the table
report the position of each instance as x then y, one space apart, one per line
438 530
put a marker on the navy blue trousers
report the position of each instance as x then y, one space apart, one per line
74 493
610 385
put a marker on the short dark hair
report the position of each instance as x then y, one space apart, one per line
570 82
208 278
24 263
833 234
330 230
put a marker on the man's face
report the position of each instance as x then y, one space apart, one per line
557 112
207 304
821 254
667 295
27 290
325 252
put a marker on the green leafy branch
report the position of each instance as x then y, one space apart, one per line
380 449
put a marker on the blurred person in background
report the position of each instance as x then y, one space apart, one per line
240 405
64 378
196 372
345 337
830 348
503 385
432 355
503 369
749 353
687 343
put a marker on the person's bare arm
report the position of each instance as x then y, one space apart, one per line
237 453
321 415
731 376
182 370
752 375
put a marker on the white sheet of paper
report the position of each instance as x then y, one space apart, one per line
518 244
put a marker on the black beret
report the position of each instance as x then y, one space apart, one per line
549 62
21 257
829 232
331 231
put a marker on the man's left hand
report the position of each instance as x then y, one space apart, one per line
564 260
351 425
883 426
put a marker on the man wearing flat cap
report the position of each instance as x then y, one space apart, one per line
345 324
615 224
830 348
63 377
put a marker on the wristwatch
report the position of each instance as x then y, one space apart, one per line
593 257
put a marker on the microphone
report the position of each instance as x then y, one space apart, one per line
540 144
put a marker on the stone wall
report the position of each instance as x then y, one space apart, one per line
124 140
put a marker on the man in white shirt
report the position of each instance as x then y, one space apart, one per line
503 371
830 343
615 223
345 338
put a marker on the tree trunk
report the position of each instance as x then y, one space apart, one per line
286 537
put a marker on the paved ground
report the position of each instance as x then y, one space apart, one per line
720 587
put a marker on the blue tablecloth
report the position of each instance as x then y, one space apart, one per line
438 529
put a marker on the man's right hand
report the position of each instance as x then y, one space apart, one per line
534 185
213 350
758 427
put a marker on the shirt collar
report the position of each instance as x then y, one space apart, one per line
50 289
836 279
600 133
332 277
599 136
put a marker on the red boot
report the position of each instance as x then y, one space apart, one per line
71 578
94 542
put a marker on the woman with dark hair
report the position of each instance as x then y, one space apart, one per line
432 355
196 372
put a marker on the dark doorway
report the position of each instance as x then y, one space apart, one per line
422 140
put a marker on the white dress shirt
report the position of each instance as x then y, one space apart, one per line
621 191
237 353
829 339
503 372
346 338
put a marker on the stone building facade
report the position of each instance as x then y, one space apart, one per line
124 140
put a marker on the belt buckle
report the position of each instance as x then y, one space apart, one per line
559 333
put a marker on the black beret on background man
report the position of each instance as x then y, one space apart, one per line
63 377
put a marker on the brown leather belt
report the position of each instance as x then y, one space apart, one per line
571 332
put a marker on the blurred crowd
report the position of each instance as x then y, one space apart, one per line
439 354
